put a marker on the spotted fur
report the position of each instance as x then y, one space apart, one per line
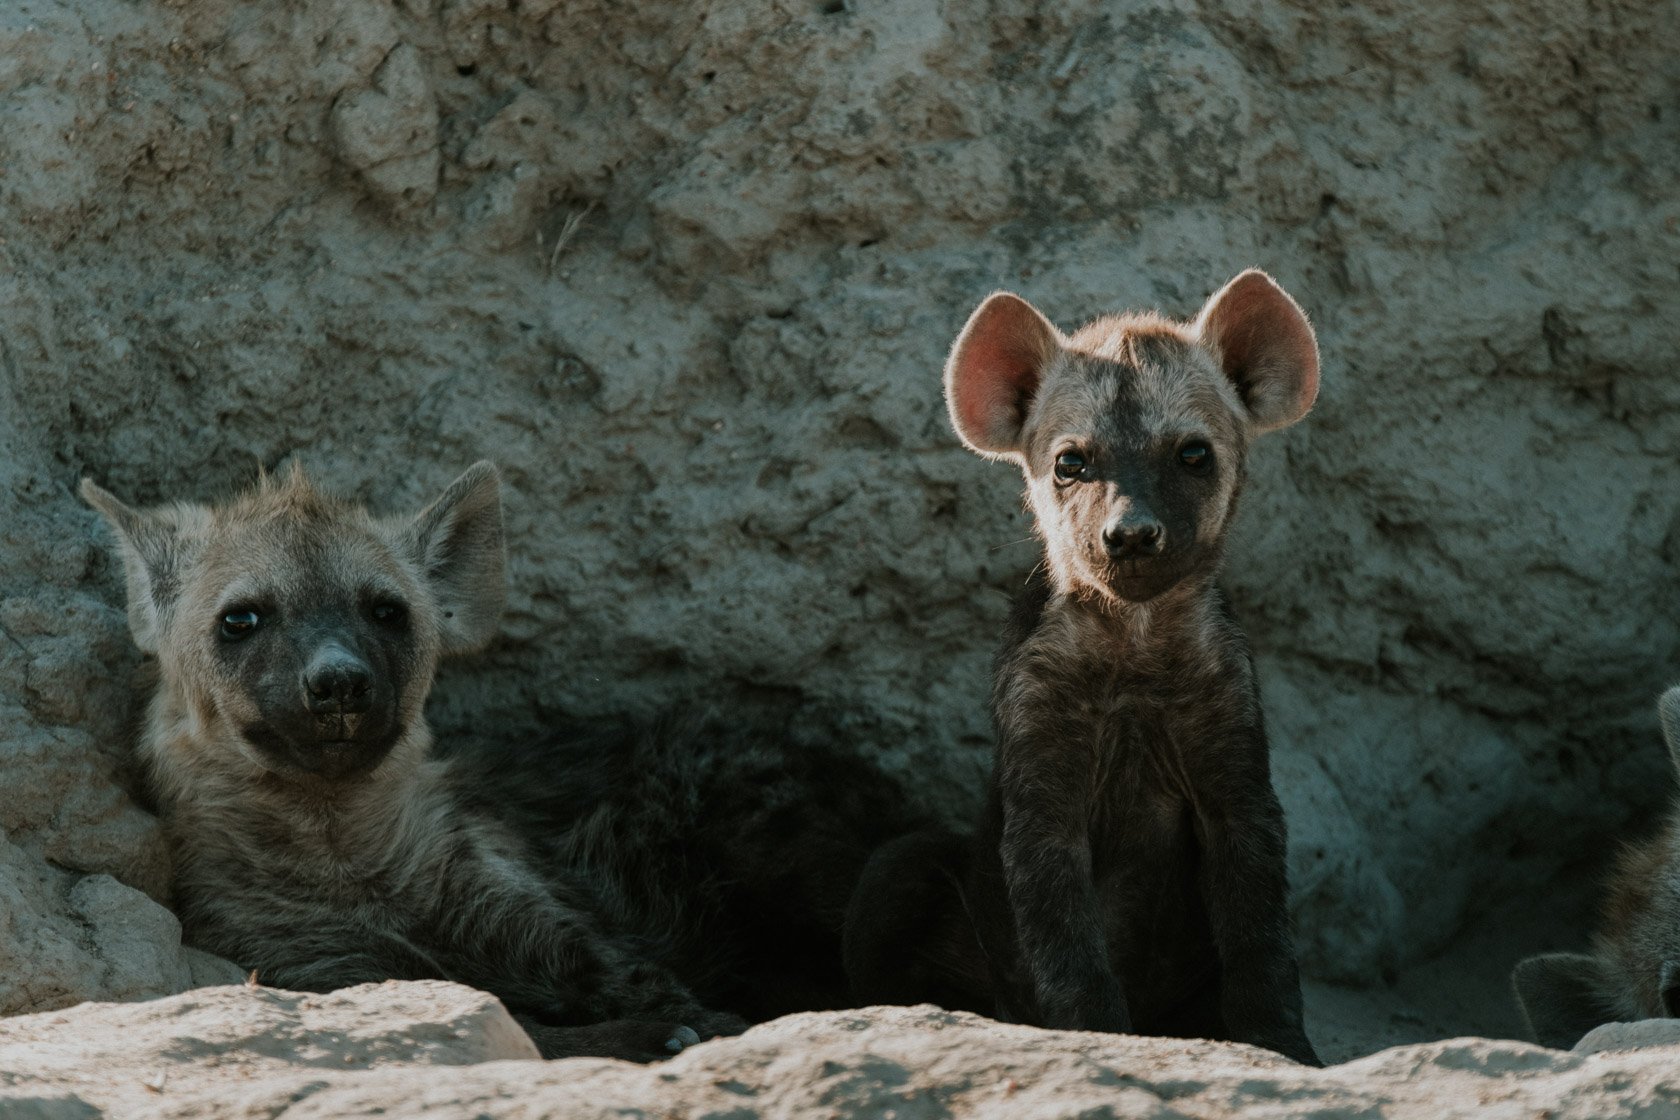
1129 871
1633 971
620 889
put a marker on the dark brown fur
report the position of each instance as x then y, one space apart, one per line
1129 871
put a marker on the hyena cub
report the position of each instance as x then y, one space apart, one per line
595 886
1634 969
1128 874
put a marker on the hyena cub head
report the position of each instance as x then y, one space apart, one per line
1133 431
1634 972
295 633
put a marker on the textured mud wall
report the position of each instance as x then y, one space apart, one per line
686 271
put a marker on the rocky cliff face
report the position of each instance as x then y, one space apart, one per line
687 271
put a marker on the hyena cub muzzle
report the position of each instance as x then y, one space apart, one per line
1633 971
1129 871
610 889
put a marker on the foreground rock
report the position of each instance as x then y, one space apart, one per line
1630 1036
374 1050
65 939
236 1041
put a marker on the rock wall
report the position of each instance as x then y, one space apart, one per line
686 271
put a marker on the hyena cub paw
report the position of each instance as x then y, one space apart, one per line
630 1040
718 1024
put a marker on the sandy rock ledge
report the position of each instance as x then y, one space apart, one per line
379 1049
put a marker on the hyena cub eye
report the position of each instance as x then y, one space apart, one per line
1070 464
239 623
1196 455
389 613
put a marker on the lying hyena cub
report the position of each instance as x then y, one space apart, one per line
1634 971
319 839
1129 872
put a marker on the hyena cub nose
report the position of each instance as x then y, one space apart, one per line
1134 534
338 682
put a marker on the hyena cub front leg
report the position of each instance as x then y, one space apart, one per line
318 840
1129 872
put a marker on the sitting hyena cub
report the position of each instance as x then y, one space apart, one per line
1129 872
1634 971
597 887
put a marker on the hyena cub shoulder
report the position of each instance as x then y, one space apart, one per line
318 837
1129 873
1634 969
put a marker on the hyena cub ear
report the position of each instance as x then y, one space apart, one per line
1668 712
1562 998
156 546
1266 347
1668 987
457 541
994 372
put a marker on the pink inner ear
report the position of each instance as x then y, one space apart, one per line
1267 348
1000 376
995 369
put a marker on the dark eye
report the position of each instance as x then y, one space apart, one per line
392 614
1069 466
239 624
1196 455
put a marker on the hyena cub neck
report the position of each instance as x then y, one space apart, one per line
297 638
1133 433
1634 969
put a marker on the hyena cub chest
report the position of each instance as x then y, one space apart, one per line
1130 741
1143 807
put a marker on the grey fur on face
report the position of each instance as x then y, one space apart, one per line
1633 971
1128 873
597 884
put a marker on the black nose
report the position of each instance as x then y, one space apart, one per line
1131 539
338 681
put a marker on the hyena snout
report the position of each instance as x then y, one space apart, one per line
1134 534
337 682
